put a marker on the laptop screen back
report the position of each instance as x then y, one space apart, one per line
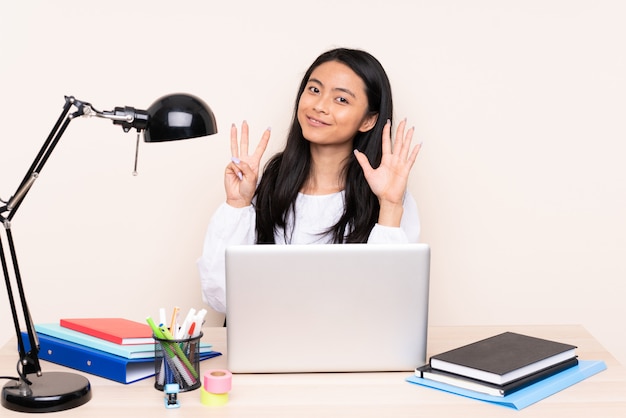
327 308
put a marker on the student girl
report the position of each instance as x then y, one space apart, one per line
339 179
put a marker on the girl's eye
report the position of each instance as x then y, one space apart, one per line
314 89
342 100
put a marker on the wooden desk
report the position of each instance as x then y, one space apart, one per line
355 394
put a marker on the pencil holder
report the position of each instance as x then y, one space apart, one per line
177 361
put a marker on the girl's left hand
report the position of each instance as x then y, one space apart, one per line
389 180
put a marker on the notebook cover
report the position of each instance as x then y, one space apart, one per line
116 330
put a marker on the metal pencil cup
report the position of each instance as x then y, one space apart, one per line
177 361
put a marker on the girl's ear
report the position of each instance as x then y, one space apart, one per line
369 122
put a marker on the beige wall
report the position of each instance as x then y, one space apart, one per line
520 104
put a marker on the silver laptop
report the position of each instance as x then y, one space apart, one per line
327 308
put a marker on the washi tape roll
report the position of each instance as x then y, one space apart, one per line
213 399
218 381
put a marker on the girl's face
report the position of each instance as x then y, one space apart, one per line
333 106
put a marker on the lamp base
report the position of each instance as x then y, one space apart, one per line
50 392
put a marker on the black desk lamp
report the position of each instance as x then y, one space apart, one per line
172 117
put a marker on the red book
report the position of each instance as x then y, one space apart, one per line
117 330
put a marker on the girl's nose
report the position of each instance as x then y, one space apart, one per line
321 105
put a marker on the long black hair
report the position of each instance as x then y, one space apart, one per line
286 172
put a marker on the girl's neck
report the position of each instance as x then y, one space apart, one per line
327 171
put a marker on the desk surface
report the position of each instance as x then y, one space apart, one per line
355 394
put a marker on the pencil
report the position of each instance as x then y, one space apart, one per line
173 323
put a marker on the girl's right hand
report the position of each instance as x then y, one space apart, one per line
242 173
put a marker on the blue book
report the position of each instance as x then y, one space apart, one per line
134 351
528 395
96 362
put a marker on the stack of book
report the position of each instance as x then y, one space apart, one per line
505 365
114 348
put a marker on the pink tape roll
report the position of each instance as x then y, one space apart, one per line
218 381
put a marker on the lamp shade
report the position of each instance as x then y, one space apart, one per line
179 116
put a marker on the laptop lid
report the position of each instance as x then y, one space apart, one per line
327 308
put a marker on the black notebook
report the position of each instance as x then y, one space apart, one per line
503 358
428 372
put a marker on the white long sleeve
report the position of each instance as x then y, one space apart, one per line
314 215
228 226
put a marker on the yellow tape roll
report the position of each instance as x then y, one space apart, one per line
212 399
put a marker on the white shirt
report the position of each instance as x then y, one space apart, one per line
314 215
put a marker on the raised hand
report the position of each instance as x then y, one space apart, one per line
389 181
242 173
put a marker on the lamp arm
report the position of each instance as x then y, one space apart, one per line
29 361
39 161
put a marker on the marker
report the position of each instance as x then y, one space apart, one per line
155 330
198 322
191 328
184 328
192 345
161 316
